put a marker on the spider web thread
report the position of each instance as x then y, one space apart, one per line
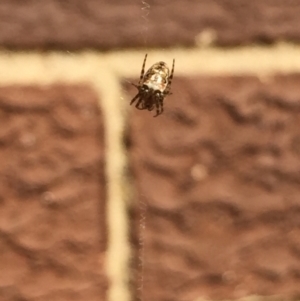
145 13
142 204
141 249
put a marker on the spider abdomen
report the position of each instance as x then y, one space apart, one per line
157 77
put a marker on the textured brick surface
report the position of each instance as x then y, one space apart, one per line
220 172
52 200
106 24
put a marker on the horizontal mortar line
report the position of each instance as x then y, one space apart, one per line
281 58
44 68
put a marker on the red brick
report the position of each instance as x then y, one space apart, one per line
220 174
102 24
52 194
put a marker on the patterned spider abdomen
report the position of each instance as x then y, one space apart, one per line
157 76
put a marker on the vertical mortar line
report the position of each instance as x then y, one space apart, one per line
108 88
87 67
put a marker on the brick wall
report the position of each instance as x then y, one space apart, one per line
207 194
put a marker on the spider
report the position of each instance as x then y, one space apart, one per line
153 87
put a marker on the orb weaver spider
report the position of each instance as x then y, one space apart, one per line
153 87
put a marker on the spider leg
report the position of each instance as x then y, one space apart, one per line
140 104
151 108
135 97
172 72
151 105
143 69
157 103
141 76
161 105
134 85
167 90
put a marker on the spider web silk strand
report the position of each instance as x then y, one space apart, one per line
142 204
141 247
145 13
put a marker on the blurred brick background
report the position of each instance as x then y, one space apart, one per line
99 201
